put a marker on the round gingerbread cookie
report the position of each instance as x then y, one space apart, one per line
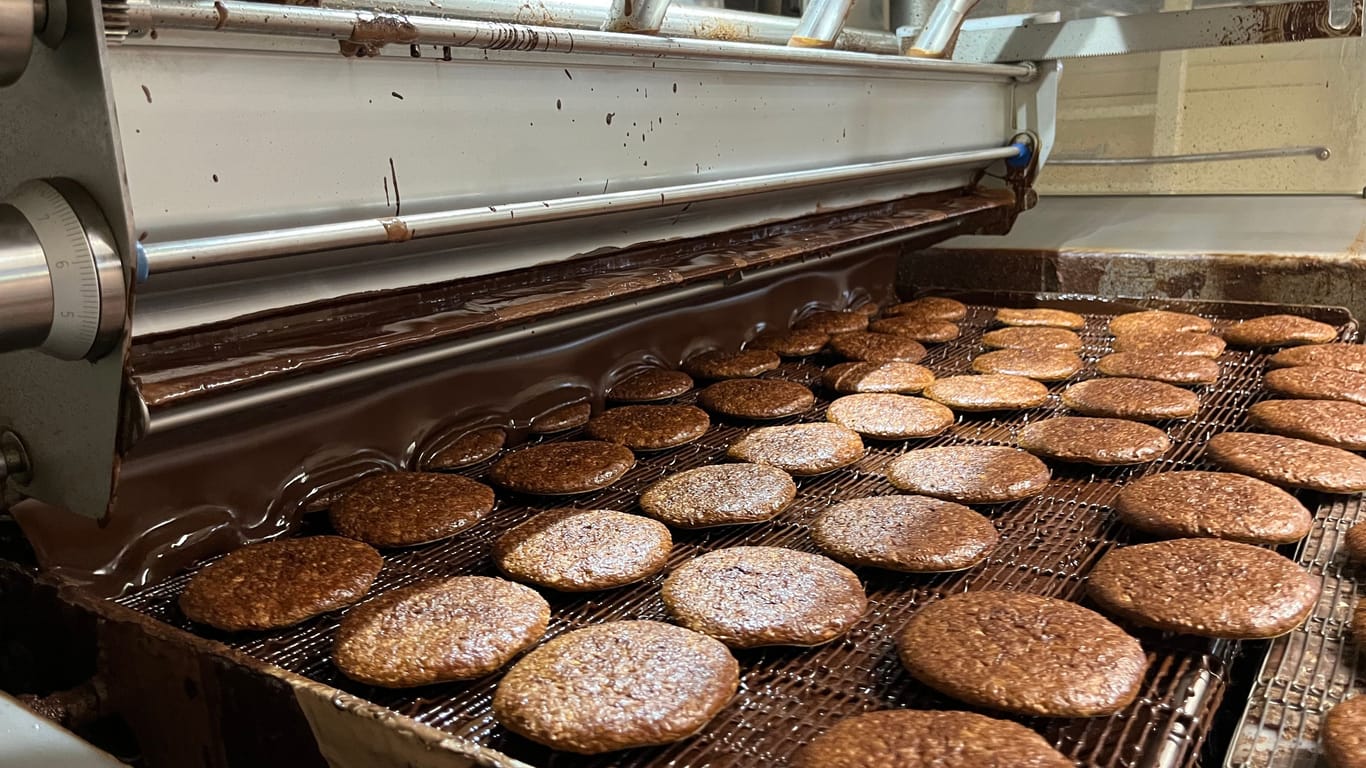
1219 505
1351 357
971 474
800 449
756 399
650 385
1158 321
1088 440
869 347
1137 399
1317 382
562 468
1049 318
1037 364
649 427
931 308
718 364
904 533
719 494
789 343
1173 343
1171 369
988 392
896 378
1289 462
918 328
1279 331
400 509
907 738
832 321
1329 422
469 448
1032 338
890 417
578 550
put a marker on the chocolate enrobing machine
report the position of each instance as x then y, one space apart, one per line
249 252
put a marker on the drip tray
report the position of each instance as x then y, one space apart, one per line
1048 544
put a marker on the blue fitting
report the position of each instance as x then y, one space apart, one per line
1024 156
141 268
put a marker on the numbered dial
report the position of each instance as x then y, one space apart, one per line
61 274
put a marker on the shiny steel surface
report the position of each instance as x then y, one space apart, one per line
25 292
821 23
17 19
1322 153
642 16
236 249
937 38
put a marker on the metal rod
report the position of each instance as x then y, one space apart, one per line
1322 153
368 29
181 255
821 23
936 40
640 16
679 21
178 417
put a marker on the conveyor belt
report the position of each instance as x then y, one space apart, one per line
1048 545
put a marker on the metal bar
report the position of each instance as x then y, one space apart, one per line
640 16
936 40
257 397
257 246
1149 32
679 21
1322 153
369 30
821 23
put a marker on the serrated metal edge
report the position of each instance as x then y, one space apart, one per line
116 24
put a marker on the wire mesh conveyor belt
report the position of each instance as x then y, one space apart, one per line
1048 545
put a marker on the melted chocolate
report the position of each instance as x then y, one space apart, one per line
188 494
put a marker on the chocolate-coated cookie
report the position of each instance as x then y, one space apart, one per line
1279 331
1288 462
1037 364
1137 399
832 321
400 509
1205 587
930 308
890 417
1330 422
719 494
1172 369
1317 382
649 427
279 583
1023 653
904 533
748 597
1219 505
789 343
1158 321
1173 343
971 474
757 399
1354 541
719 364
1088 440
917 327
988 392
617 685
650 385
1351 357
438 631
578 550
1051 318
906 738
1344 734
562 419
897 378
1032 338
868 347
470 448
572 466
800 449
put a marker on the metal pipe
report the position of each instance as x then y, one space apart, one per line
936 40
688 21
821 23
179 417
639 16
1322 153
181 255
369 30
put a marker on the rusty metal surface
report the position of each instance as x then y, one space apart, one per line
1048 545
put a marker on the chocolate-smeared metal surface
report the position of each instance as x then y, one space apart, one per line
1023 654
1049 542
